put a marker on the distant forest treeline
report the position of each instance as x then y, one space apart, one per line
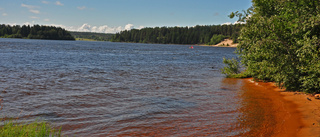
211 34
91 35
34 32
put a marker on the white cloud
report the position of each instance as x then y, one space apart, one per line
4 14
34 11
82 8
236 22
128 27
34 17
31 8
107 29
99 29
28 6
140 27
94 28
227 23
45 2
47 20
59 3
85 28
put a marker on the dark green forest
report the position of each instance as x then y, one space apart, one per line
91 35
281 43
210 34
34 32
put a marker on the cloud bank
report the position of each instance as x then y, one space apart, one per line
86 27
100 29
236 22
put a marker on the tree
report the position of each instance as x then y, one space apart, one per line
177 35
216 39
280 42
34 32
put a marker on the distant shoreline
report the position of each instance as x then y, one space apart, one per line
92 40
224 43
221 44
85 39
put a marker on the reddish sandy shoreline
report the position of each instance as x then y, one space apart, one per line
310 112
293 114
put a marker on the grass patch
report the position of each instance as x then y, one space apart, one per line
12 128
35 129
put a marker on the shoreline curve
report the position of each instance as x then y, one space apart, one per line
293 113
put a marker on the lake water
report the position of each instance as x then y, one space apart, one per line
120 89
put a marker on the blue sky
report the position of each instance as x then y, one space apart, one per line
110 16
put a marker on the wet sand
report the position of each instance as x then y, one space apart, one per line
279 113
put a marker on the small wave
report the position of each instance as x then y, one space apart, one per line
153 106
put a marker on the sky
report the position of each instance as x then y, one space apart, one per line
111 16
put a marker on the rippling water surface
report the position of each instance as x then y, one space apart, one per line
119 89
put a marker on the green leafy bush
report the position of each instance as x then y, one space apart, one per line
215 39
232 69
280 42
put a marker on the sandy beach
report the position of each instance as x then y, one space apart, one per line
223 44
309 107
286 114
